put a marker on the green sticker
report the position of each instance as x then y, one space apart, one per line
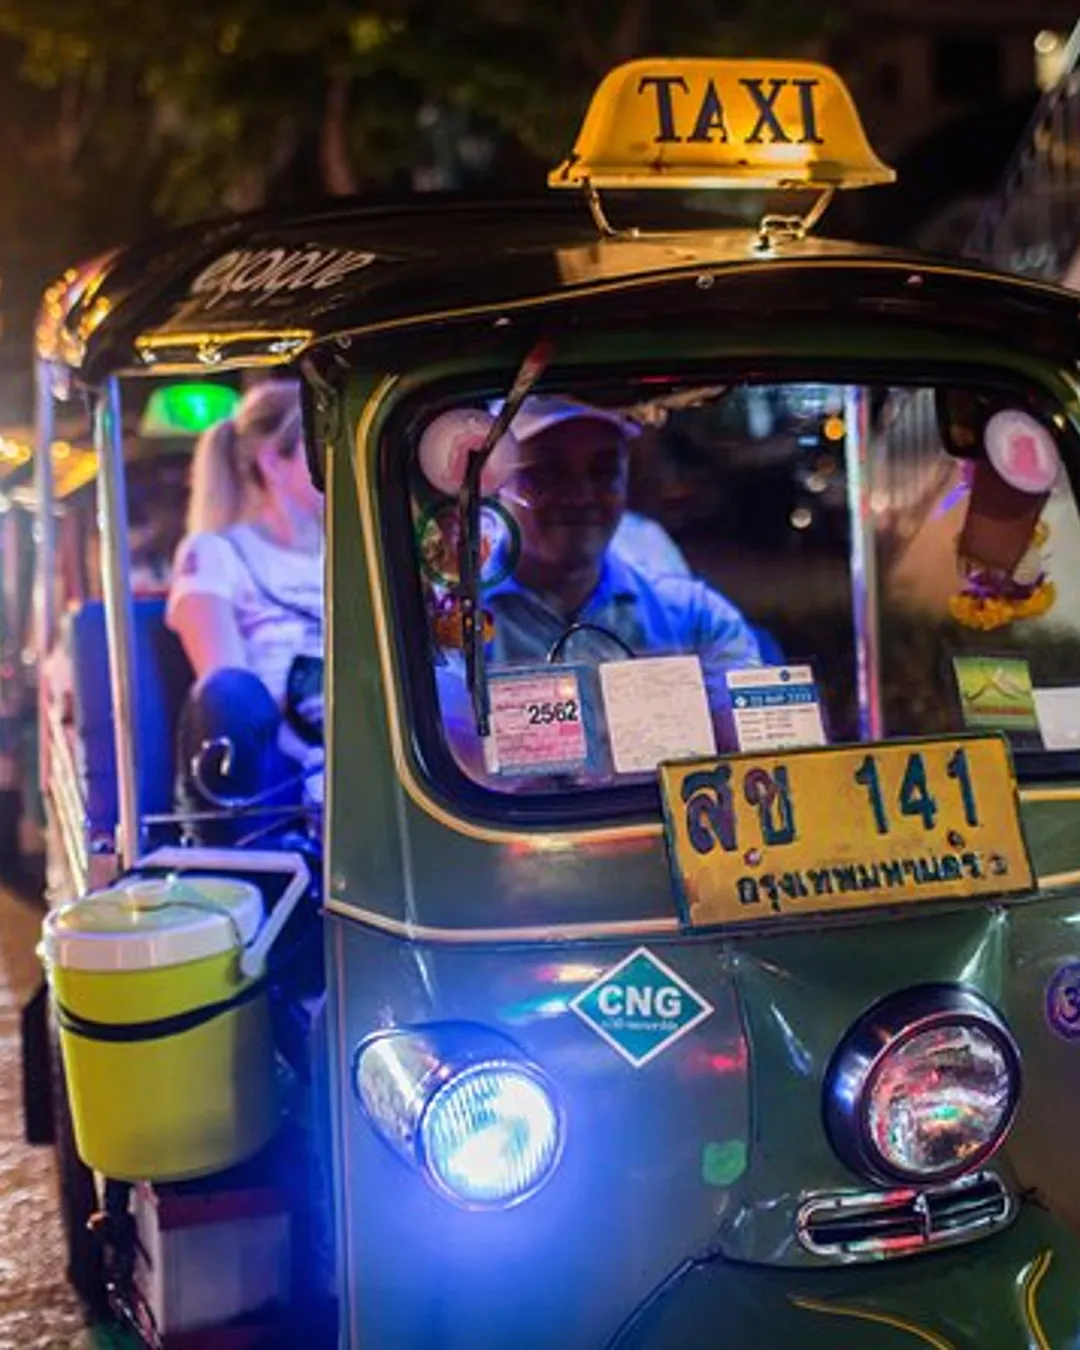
995 692
723 1163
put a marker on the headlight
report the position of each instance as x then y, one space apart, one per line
923 1087
465 1106
490 1136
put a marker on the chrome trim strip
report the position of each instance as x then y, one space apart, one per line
75 875
922 1334
68 808
902 1206
1033 1278
1058 880
617 930
224 859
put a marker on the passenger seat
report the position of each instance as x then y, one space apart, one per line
162 679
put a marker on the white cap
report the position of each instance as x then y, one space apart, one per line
540 411
147 923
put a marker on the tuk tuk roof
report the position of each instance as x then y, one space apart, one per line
269 287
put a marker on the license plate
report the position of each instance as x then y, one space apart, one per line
845 827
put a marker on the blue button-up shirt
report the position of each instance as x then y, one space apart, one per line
654 616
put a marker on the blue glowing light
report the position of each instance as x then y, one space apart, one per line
491 1136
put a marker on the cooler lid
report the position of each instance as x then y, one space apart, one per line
144 923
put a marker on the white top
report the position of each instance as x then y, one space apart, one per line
263 582
145 924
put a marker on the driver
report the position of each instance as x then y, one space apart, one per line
566 491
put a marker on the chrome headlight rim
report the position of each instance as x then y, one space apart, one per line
443 1056
524 1068
858 1060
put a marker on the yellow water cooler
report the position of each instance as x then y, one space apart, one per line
167 1047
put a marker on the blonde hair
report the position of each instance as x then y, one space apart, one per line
225 474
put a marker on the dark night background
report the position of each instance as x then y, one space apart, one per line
124 117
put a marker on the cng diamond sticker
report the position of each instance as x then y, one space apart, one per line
640 1007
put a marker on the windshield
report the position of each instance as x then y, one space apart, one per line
671 570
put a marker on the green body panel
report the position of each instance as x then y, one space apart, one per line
799 993
1052 833
706 1154
1016 1291
700 1161
363 793
1043 1143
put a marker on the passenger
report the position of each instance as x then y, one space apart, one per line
567 494
246 601
577 592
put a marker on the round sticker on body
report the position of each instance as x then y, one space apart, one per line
1063 1001
437 537
1022 451
447 443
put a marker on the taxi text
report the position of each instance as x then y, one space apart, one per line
783 110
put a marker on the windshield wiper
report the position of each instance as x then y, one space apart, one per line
469 540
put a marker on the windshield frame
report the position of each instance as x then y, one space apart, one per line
638 802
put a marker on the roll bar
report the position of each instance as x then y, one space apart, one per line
44 522
119 613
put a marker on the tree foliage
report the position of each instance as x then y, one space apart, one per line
238 91
123 114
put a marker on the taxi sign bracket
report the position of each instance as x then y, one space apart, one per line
777 229
774 229
599 215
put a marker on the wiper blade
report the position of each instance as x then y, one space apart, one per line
469 541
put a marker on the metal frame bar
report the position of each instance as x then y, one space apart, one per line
44 538
44 520
119 613
864 597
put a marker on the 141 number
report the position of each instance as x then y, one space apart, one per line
915 797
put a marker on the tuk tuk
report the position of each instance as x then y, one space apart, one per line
161 420
698 878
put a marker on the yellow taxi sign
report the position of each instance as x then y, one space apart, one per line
701 123
806 832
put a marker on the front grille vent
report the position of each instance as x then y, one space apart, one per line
878 1224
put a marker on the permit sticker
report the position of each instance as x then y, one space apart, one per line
537 722
1058 711
641 1007
996 693
656 709
775 707
1063 1001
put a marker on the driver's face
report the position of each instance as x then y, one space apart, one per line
568 492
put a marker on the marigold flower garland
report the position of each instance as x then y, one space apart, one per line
991 598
